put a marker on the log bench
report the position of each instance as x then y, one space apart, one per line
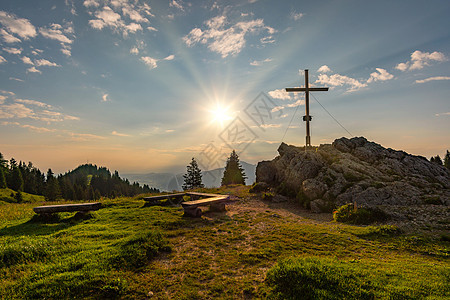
191 208
82 207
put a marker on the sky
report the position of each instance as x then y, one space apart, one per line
143 86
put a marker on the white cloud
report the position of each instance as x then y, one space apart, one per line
27 60
105 97
13 50
443 114
16 79
324 69
60 33
33 70
223 38
152 28
277 108
150 62
257 63
341 80
55 32
44 62
121 16
280 94
37 129
2 59
421 59
9 38
433 79
119 134
380 75
170 57
296 16
296 103
134 50
16 26
85 137
15 110
176 4
270 126
88 3
37 52
2 99
33 102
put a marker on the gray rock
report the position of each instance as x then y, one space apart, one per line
356 170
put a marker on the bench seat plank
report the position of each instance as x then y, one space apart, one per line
49 209
206 201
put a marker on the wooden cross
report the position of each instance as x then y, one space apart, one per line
307 117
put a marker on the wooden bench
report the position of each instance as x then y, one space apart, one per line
191 208
82 207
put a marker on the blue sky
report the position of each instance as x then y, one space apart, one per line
142 86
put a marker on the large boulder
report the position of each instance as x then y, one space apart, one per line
357 171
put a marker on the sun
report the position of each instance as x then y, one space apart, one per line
220 114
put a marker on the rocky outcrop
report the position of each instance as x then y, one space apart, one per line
355 171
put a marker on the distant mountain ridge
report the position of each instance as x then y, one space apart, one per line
170 181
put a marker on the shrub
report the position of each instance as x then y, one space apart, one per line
312 278
267 196
350 214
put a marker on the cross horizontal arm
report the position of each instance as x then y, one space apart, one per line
304 89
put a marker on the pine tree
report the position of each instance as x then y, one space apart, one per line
16 179
436 159
2 179
447 160
234 173
193 176
52 190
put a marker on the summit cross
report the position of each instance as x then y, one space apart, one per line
307 117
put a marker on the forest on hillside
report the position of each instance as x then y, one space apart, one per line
86 182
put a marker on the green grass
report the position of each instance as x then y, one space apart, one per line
127 250
7 196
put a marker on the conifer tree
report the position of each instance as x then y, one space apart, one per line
234 173
193 177
16 179
52 190
447 160
2 179
436 159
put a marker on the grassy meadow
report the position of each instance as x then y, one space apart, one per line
254 250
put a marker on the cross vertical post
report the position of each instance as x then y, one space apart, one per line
307 117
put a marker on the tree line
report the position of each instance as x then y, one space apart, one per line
86 182
437 159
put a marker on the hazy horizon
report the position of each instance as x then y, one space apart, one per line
143 86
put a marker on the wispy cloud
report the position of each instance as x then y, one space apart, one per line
33 102
44 62
265 126
85 137
16 79
421 59
258 63
2 59
296 16
380 75
119 134
13 50
170 57
443 114
176 4
33 70
224 38
433 79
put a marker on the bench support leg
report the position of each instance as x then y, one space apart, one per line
195 212
217 207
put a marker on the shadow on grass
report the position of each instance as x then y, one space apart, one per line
44 225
